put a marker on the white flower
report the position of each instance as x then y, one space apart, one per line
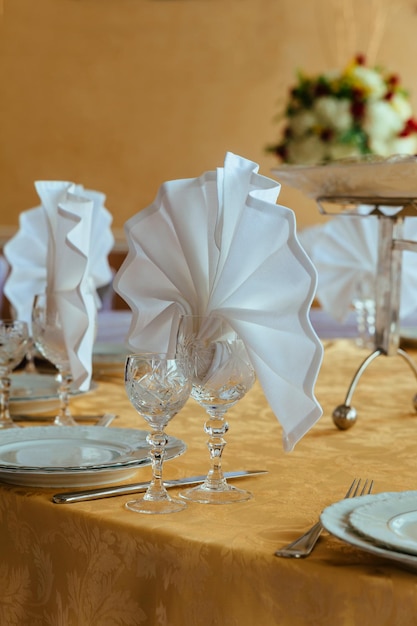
302 122
348 113
382 120
379 146
402 145
396 145
342 151
371 80
308 151
333 112
402 106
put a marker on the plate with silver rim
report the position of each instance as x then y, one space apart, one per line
67 456
36 393
335 519
391 521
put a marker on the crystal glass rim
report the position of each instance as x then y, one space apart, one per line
12 322
168 356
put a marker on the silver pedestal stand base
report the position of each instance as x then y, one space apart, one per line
391 244
345 415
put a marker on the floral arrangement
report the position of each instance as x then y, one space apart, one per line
358 111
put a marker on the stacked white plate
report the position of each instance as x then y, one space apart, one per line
36 393
60 456
384 524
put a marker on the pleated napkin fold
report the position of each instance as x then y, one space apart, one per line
219 244
62 248
345 253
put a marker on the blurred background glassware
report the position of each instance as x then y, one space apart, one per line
30 365
49 339
364 306
222 374
158 385
14 335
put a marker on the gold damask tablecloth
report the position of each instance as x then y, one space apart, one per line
96 564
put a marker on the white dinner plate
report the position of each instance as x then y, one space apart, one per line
66 456
35 393
391 521
335 519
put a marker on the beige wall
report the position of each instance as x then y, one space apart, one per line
120 95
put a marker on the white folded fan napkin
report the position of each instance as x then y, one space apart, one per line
345 253
219 244
26 252
68 284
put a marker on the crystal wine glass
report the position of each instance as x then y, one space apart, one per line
14 336
30 367
158 386
49 339
222 374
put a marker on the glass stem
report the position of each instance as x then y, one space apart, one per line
216 427
157 441
4 399
64 418
30 367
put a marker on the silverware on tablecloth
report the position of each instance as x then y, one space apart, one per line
304 545
121 490
105 420
101 420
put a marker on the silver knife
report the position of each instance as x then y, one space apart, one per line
34 417
122 490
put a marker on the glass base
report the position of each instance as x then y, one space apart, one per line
68 420
8 424
203 494
166 505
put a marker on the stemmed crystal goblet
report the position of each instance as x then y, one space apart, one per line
158 386
30 367
222 374
48 335
14 336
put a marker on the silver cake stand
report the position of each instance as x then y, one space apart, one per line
391 245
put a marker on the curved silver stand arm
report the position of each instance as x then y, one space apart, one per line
391 244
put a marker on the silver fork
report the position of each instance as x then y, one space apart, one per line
106 419
304 545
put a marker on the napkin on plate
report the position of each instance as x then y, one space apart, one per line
345 254
220 244
58 250
26 252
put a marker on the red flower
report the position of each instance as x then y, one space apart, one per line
281 152
393 80
321 90
357 109
409 128
288 133
326 134
360 59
